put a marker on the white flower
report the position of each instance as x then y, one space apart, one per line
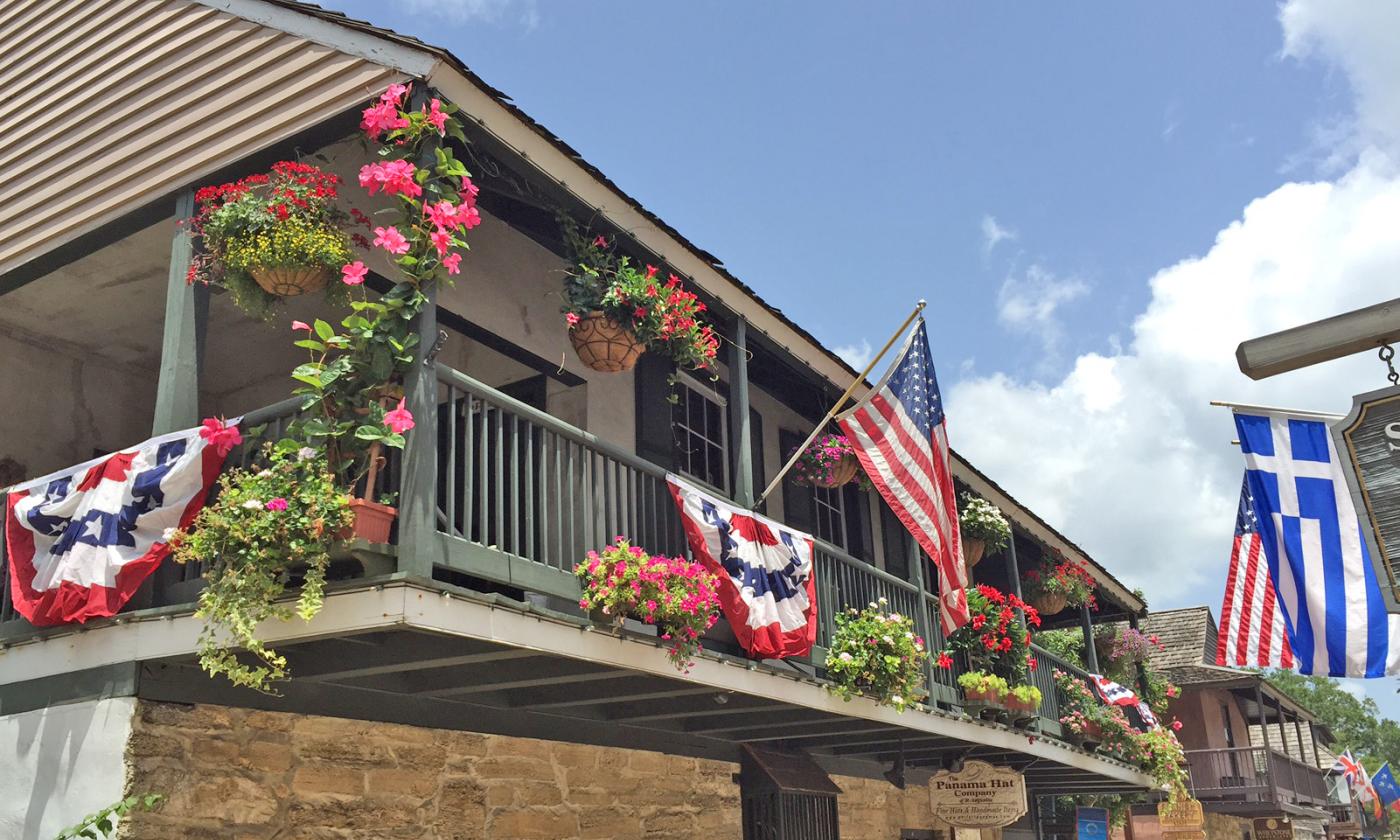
873 605
168 534
897 700
894 616
888 640
305 453
844 657
252 504
884 600
908 635
918 646
265 474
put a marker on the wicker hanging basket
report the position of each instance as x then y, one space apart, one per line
973 549
844 473
1049 603
291 280
605 345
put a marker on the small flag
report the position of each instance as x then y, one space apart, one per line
1113 693
900 435
1321 570
1387 790
1252 630
767 589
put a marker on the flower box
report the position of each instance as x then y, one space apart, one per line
605 345
373 521
290 280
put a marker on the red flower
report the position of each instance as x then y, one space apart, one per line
978 620
944 660
219 435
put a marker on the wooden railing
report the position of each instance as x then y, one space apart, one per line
1255 774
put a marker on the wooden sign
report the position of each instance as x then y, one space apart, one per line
1368 445
978 796
1272 828
1182 815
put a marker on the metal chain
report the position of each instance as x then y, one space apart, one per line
1388 353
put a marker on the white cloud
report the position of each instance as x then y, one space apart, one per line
1030 302
857 355
993 233
1124 453
526 12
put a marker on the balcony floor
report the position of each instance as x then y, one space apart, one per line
437 656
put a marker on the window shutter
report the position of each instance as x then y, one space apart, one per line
655 442
799 502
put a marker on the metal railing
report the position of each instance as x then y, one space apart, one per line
1254 774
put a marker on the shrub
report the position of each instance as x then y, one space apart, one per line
877 654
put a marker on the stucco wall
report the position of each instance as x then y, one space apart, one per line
60 764
238 773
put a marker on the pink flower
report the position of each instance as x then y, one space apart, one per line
220 436
1176 726
278 503
443 214
394 93
300 325
436 118
353 274
453 263
390 240
600 242
399 420
442 240
572 319
395 176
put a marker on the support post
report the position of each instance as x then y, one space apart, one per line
1013 574
182 342
1282 733
418 542
1091 656
1298 733
1263 722
922 619
739 414
1139 668
1312 736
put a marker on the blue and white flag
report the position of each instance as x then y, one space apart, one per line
1386 787
1337 622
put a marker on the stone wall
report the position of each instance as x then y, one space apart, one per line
237 774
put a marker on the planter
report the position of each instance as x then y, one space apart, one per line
844 473
986 698
1019 707
291 280
1049 603
372 521
973 549
605 345
597 616
1091 737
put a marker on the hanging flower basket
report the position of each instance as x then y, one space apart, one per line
291 280
828 461
973 549
844 472
605 345
1049 603
373 522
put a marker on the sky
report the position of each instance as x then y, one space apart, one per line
1098 206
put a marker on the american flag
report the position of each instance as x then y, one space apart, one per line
901 437
1252 630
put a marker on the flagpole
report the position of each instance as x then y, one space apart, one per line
1322 415
797 453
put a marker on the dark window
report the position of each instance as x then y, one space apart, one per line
831 514
701 433
896 542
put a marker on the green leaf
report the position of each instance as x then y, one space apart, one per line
311 344
370 433
314 381
394 440
324 330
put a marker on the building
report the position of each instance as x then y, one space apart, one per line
1253 751
450 687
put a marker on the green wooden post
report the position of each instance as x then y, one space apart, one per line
922 619
419 546
186 315
739 414
1013 574
1091 656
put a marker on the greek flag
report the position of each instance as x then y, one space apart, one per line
1337 623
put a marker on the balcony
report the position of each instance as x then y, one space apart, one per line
516 495
1249 779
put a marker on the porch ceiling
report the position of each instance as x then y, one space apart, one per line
427 658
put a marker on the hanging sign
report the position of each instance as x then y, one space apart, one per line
1368 445
1182 815
1090 823
978 796
1272 828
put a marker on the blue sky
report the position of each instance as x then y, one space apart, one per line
1099 206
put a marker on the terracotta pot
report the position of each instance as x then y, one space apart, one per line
372 521
1049 603
844 472
291 280
1016 704
973 549
1092 736
990 697
605 345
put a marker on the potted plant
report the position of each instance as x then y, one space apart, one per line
878 654
828 461
266 524
274 235
678 597
1065 583
983 689
983 528
993 642
1023 701
615 311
